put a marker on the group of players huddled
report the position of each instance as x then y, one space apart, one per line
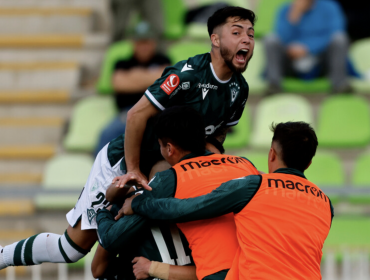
204 214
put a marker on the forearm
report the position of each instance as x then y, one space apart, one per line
117 235
182 273
136 121
103 264
115 194
136 80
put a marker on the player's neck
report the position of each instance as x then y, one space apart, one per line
176 158
222 71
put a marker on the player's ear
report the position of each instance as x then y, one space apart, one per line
215 39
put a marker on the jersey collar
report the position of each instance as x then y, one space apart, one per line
217 78
291 171
191 155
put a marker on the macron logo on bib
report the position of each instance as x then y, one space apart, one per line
170 84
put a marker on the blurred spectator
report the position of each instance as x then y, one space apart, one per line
132 77
309 40
357 13
122 11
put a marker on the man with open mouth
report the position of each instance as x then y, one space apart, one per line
211 83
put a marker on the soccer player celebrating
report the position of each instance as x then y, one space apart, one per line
194 172
282 219
210 83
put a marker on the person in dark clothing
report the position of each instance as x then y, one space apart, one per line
132 77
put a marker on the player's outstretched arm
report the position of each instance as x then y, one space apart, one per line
137 118
231 196
144 268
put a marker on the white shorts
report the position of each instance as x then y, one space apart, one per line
92 196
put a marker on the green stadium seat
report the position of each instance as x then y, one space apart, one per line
361 180
266 12
319 85
344 122
239 135
359 53
199 30
278 108
117 51
184 50
361 176
259 159
348 232
174 18
64 172
89 117
240 3
326 170
253 74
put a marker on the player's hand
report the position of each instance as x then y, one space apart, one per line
130 179
126 208
141 267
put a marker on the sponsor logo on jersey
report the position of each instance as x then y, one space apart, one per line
205 88
186 67
234 89
91 214
170 84
185 85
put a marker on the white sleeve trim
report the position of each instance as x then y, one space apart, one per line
152 98
232 123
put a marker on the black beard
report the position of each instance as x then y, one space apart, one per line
228 58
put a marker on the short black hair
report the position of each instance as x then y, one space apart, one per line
298 143
183 126
220 17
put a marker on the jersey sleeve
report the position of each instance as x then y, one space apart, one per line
231 196
117 235
166 91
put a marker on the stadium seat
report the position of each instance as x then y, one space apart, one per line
259 159
278 108
255 68
239 135
174 18
348 232
266 11
184 50
64 172
89 117
359 53
326 170
199 30
344 122
315 86
361 180
360 175
117 51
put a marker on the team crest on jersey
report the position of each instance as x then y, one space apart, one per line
91 214
234 89
95 186
170 84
